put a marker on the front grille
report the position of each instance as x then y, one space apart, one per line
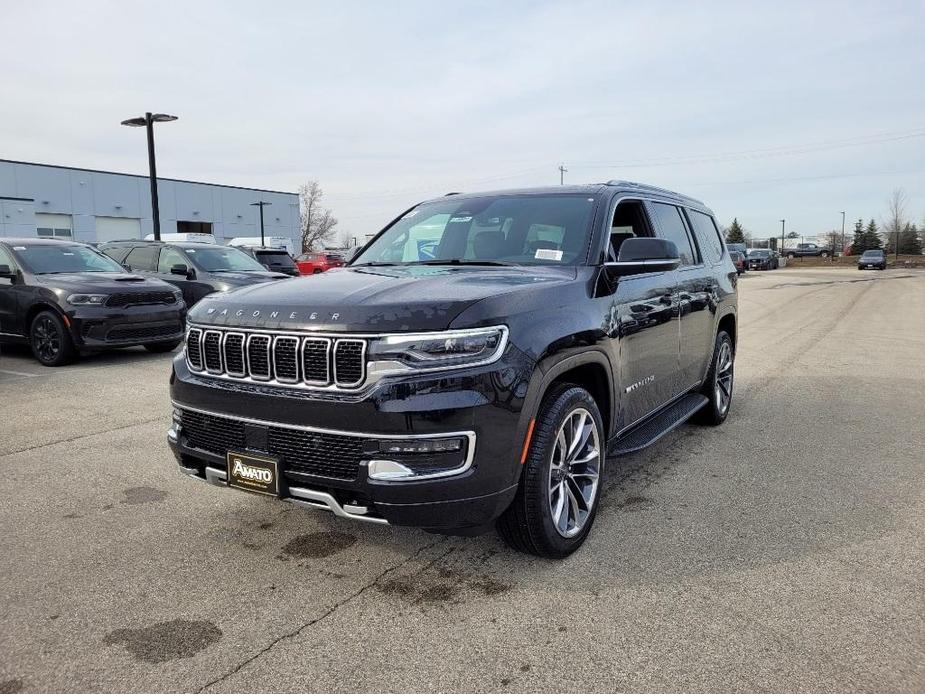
307 452
143 332
281 359
124 299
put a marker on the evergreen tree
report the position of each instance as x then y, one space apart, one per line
872 238
858 242
910 243
735 233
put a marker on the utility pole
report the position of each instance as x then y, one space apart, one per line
843 231
562 172
261 205
783 222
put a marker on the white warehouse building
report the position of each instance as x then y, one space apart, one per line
91 206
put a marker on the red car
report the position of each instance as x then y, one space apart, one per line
313 263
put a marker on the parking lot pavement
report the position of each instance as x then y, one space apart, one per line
783 551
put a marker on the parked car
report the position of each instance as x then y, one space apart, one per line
738 259
807 250
314 263
273 259
283 242
874 258
762 259
555 327
66 299
198 269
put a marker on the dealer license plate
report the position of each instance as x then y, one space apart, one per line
253 473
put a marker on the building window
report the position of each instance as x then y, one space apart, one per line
194 227
54 233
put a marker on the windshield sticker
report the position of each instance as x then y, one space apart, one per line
548 254
190 250
410 214
458 220
66 253
19 248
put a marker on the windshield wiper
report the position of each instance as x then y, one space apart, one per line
376 263
460 261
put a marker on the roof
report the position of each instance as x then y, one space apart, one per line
159 178
38 241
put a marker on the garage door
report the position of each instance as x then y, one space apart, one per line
117 228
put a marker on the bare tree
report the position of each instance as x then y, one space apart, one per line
832 239
896 217
317 221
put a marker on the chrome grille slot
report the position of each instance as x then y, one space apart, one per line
349 366
212 351
194 349
234 355
316 355
258 357
286 359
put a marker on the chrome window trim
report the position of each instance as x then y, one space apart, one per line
192 368
328 345
221 355
296 357
363 365
243 353
259 378
468 435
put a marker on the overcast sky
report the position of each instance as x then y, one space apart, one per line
795 110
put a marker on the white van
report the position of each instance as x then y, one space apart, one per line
283 242
184 238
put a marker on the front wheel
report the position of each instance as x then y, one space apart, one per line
790 255
50 340
556 502
718 385
824 254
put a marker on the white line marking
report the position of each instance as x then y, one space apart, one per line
18 373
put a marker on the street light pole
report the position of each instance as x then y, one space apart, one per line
843 231
782 223
562 172
261 205
147 122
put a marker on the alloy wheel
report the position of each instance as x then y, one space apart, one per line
46 338
723 377
574 472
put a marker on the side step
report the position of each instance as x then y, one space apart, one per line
652 430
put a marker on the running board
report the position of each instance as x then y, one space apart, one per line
652 430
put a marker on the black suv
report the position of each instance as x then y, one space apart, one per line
477 362
273 259
197 269
65 298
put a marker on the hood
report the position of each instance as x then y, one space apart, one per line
380 299
100 282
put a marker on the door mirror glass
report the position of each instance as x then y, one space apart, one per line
641 255
179 269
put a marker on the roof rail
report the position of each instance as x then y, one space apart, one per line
645 187
455 192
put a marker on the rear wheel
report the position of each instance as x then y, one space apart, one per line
159 347
50 340
824 254
718 385
556 502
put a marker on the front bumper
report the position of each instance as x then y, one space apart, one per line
482 405
101 327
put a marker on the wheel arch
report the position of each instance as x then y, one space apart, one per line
728 323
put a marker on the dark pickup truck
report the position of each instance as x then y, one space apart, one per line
480 361
807 250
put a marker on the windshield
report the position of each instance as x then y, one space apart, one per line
502 229
50 259
223 259
759 254
872 254
275 259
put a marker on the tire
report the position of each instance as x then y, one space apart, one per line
824 254
791 255
160 347
718 386
51 340
550 492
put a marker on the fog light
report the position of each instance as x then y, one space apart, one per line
412 446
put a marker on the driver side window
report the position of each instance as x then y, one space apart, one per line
169 258
629 220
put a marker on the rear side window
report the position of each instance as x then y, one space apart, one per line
711 245
142 258
671 227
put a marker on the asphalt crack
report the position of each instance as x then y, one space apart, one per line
82 436
336 606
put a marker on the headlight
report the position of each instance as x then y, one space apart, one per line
452 348
87 299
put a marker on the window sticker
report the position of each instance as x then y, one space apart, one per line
459 220
19 248
66 253
190 250
410 214
548 254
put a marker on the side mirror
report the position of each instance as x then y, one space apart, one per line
180 269
7 272
640 255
